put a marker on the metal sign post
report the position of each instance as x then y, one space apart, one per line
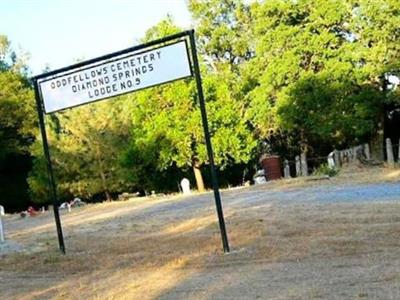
162 61
52 185
200 94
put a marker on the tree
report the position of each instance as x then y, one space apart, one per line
17 114
169 117
85 145
314 57
226 45
374 25
10 60
223 29
322 108
17 127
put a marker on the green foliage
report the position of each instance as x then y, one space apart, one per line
167 127
9 59
222 28
17 127
319 68
17 114
164 28
323 108
171 119
38 180
300 72
324 169
85 145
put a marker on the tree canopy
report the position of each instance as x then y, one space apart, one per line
320 67
169 116
17 112
17 126
297 75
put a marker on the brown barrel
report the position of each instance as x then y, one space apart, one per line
272 167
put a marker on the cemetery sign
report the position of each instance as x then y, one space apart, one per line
119 75
142 66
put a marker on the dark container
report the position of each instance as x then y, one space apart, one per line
272 167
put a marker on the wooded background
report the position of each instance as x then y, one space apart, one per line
280 77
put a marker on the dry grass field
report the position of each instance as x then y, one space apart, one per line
290 239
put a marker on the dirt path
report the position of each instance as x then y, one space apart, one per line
320 240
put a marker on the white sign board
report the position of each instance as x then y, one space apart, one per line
115 76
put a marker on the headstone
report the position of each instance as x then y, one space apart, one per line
185 184
1 231
336 158
298 166
355 151
360 152
260 177
345 156
286 169
367 152
304 166
331 160
398 153
389 152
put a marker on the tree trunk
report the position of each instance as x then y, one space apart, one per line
198 176
104 184
377 140
108 196
303 154
102 175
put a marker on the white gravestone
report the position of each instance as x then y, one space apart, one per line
331 160
185 184
389 152
286 169
1 225
298 166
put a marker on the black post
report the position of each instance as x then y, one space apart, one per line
217 196
53 191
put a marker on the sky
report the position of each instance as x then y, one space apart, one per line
57 33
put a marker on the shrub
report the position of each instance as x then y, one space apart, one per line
324 169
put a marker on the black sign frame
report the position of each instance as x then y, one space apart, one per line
195 71
44 77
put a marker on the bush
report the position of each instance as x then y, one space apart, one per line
324 169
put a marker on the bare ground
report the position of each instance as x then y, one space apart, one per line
290 239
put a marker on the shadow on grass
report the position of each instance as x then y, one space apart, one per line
172 249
